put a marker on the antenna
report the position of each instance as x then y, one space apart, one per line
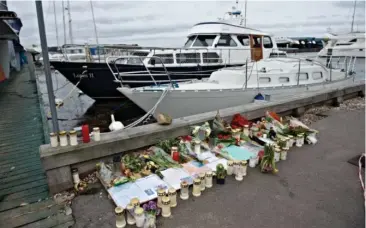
54 12
353 17
245 13
70 25
63 18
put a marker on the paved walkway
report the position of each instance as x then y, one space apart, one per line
22 179
315 187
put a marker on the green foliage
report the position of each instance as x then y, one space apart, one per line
220 171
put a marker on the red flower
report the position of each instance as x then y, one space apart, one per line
220 146
239 121
261 154
187 138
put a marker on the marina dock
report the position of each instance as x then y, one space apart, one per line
24 195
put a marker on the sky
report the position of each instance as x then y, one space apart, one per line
167 23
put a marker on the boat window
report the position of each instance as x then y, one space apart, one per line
284 79
244 40
267 42
317 75
264 79
303 76
204 41
189 41
353 41
257 41
211 57
188 57
165 58
226 41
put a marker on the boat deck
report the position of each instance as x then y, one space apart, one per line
24 196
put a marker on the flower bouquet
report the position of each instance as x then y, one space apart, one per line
151 211
268 162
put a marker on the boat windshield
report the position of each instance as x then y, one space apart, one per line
204 41
189 41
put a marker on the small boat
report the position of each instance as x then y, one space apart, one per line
210 46
270 79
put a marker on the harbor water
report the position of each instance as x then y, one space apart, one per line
78 109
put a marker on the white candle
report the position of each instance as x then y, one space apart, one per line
202 177
244 166
63 138
161 194
165 210
298 140
75 176
208 179
135 202
284 153
253 162
73 138
230 168
246 130
184 190
120 217
173 197
197 147
236 167
277 154
96 134
139 216
130 219
196 187
239 173
53 139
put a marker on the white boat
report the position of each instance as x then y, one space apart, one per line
228 87
351 44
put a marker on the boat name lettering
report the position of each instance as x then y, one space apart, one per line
87 75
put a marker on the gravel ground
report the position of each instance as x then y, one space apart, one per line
317 113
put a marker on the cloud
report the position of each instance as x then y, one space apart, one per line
167 23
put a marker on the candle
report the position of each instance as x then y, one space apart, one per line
63 138
235 167
284 153
161 194
172 150
176 156
165 210
135 202
246 130
244 166
277 154
253 161
85 133
73 138
130 219
196 187
298 140
139 216
208 179
291 140
96 134
173 197
239 172
75 176
197 147
230 167
53 139
120 217
184 190
202 177
302 137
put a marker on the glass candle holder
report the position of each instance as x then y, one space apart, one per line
284 153
230 167
253 161
246 130
139 216
291 140
173 197
161 194
298 140
196 187
277 154
75 176
120 217
73 138
53 140
302 137
165 210
202 177
130 211
63 138
173 150
244 167
197 146
208 179
135 202
184 190
96 134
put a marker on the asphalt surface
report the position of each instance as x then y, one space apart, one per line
315 187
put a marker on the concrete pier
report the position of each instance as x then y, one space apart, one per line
58 161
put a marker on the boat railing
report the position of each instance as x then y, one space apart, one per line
118 75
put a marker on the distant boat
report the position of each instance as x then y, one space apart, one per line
270 79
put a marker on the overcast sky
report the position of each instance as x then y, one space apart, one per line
167 23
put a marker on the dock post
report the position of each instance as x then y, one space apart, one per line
46 63
246 73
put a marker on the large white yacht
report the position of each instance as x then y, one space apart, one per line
351 44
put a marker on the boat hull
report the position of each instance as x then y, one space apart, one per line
99 83
179 103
